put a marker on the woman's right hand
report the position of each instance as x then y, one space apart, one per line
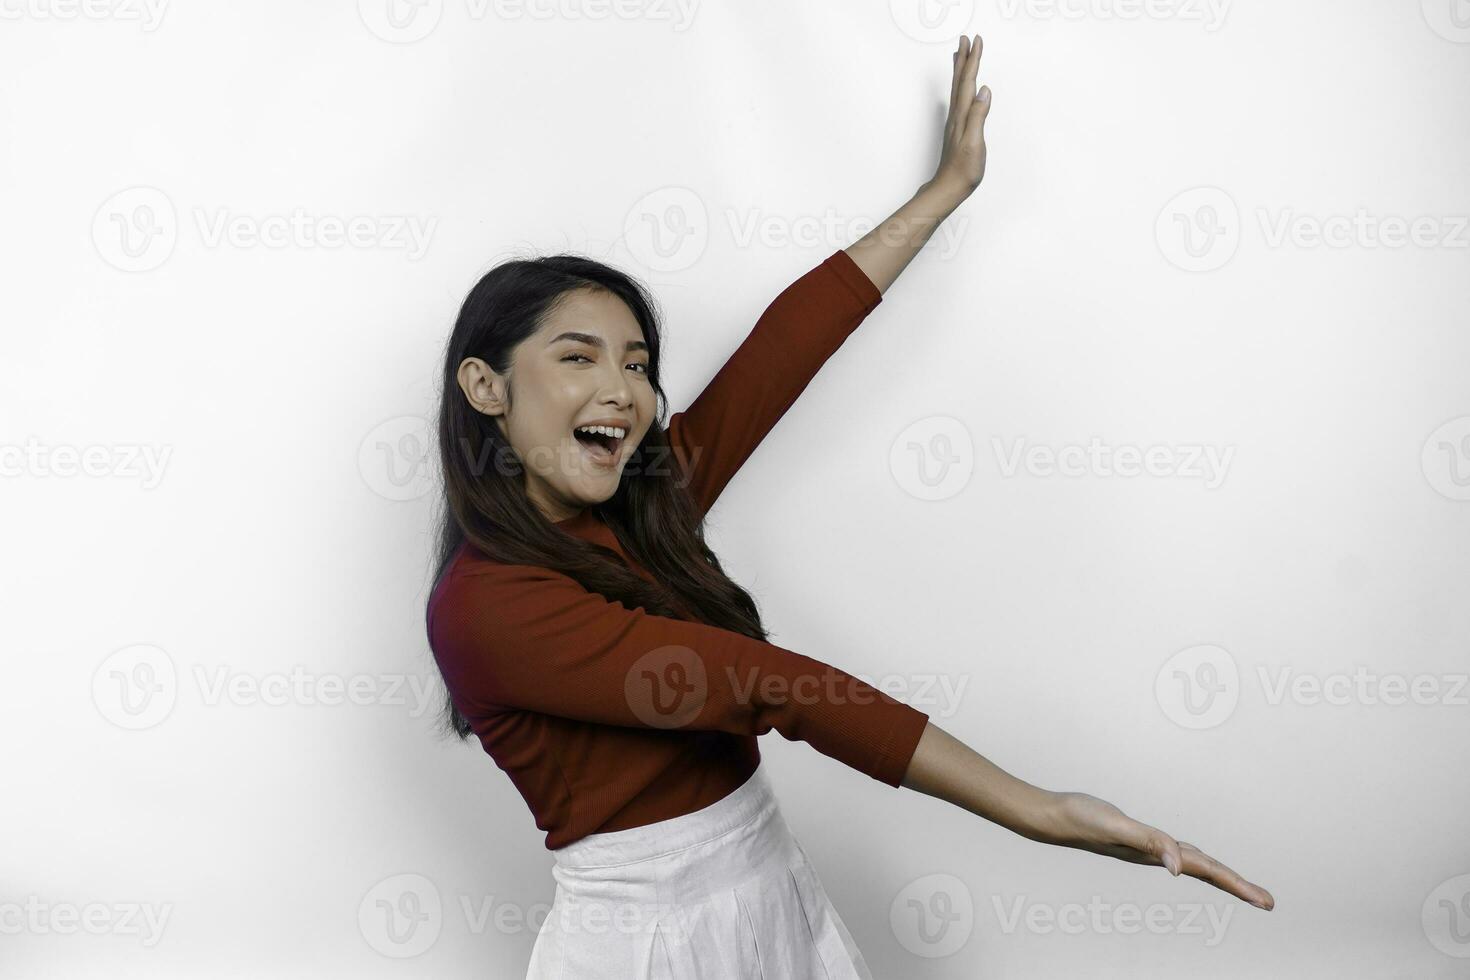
1090 824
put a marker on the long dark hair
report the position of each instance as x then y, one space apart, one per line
653 514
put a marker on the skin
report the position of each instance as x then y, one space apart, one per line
561 383
555 391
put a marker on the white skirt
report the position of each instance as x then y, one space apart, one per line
723 893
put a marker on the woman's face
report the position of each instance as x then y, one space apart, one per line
587 364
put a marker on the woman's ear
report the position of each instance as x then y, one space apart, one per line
483 388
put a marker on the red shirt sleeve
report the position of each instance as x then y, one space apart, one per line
801 328
529 638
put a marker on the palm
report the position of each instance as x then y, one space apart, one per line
962 158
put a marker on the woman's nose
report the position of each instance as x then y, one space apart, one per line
616 388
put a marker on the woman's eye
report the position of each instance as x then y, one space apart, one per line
643 368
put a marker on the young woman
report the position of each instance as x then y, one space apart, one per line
592 641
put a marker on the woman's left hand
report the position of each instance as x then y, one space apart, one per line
962 159
1085 822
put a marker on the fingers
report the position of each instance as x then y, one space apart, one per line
979 113
956 97
1198 864
968 108
1181 857
1168 854
966 60
1108 830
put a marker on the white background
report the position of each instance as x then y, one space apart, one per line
284 524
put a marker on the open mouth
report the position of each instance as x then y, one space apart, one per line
599 442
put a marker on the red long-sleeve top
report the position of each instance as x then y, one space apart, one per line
607 718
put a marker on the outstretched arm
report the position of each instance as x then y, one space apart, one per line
944 767
887 250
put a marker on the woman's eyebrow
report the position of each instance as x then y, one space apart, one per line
592 340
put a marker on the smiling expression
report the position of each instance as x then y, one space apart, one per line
586 364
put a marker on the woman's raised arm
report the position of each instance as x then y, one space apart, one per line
887 250
798 332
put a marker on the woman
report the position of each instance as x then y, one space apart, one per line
592 641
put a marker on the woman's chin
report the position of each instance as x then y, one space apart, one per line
589 491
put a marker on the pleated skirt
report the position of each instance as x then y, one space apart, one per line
723 893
